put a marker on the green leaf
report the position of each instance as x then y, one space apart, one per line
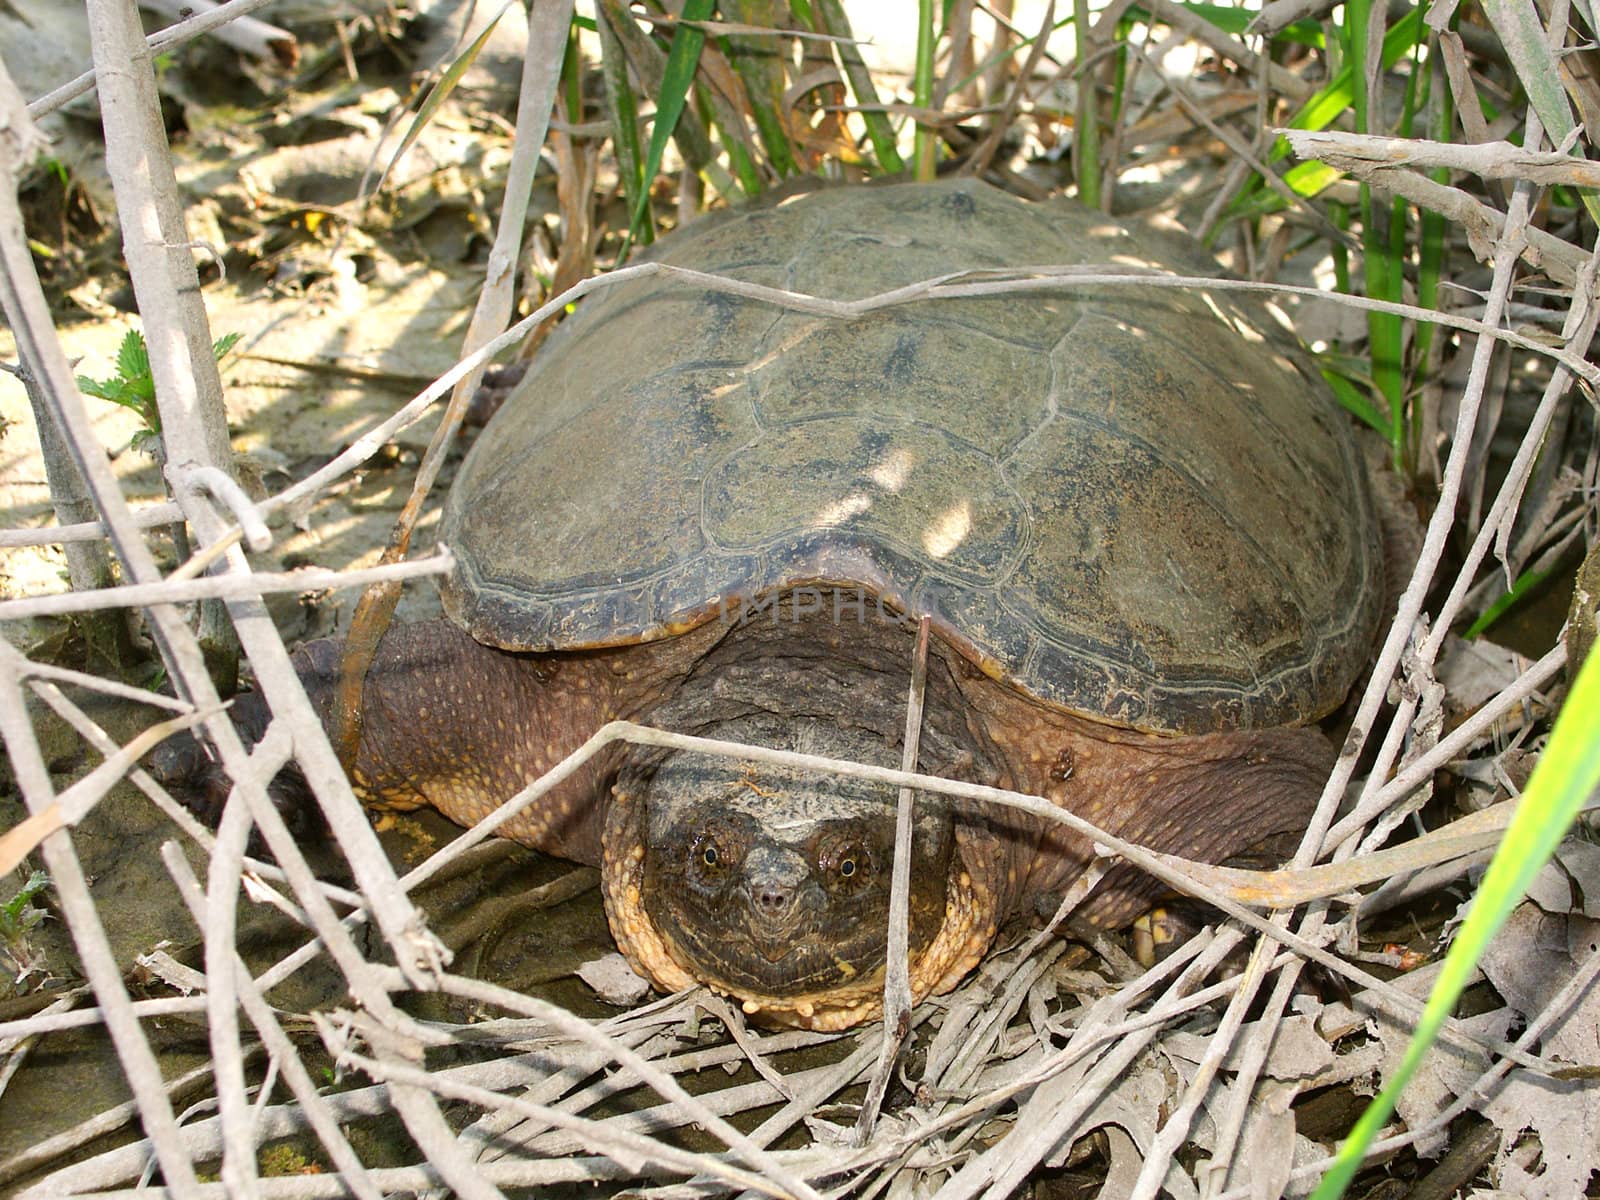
1520 587
682 62
1567 774
13 908
1356 401
133 359
132 386
446 84
113 390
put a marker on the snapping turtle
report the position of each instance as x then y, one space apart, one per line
1137 521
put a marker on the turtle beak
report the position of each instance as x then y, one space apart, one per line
776 884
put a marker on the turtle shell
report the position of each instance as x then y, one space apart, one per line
1138 504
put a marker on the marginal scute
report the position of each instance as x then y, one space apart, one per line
1097 497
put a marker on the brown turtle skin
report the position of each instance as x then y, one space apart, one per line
1137 521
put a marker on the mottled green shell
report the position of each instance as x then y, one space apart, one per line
1139 504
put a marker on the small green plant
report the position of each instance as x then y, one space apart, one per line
18 918
286 1158
134 387
17 915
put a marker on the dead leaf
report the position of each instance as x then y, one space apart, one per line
1298 1050
1528 963
1473 673
1135 1107
1270 1141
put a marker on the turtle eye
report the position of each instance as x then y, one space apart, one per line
710 857
846 865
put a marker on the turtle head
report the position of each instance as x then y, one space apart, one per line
771 884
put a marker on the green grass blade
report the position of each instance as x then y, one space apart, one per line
1522 33
1430 250
682 61
1119 78
1339 214
647 64
1567 774
755 59
1086 135
746 173
1339 93
1355 401
1520 588
1310 178
1022 45
925 148
1385 273
1335 98
622 110
447 84
1383 267
1236 22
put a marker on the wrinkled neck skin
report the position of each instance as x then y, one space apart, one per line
771 884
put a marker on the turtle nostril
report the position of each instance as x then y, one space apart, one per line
772 901
774 879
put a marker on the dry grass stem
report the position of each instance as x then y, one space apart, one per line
1487 160
897 998
223 587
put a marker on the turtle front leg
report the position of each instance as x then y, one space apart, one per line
458 726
